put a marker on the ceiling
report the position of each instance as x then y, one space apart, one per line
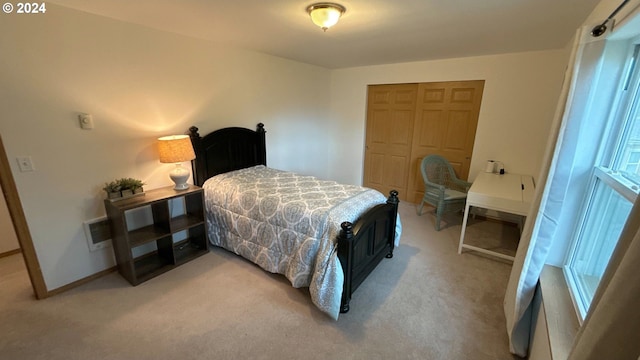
370 32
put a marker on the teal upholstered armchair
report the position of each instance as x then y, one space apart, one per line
442 189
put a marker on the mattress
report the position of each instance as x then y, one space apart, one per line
287 224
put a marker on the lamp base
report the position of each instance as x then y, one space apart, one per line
180 175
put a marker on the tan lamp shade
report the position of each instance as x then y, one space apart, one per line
175 149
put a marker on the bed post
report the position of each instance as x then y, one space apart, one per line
196 166
345 254
393 201
262 144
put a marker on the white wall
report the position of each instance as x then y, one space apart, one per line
519 100
138 84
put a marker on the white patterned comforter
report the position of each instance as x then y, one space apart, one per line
288 224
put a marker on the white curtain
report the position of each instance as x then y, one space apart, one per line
560 166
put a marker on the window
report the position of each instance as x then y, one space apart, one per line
612 191
633 160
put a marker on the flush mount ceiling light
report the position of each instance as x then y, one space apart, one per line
325 14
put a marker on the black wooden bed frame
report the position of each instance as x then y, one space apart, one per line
361 246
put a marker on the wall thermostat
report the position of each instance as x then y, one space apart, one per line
86 121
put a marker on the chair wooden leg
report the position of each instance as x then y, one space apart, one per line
420 208
438 217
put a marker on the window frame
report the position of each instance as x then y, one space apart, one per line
609 154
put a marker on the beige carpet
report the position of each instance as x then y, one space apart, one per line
427 302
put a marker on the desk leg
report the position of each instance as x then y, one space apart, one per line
464 227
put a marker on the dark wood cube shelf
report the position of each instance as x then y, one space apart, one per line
162 232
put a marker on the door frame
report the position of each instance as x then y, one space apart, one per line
20 225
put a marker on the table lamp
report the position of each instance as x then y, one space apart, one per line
177 149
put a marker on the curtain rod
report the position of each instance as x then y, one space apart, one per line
598 30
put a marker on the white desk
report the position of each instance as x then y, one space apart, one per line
510 193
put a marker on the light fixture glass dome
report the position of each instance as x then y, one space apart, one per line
325 15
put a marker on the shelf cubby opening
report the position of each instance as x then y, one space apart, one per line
193 246
146 234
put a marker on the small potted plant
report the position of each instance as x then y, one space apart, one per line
137 186
123 188
112 189
130 186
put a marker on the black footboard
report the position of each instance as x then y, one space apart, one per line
361 246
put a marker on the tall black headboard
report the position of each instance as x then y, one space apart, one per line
226 150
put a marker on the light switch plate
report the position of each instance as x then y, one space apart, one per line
25 163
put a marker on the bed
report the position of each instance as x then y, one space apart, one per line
321 234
